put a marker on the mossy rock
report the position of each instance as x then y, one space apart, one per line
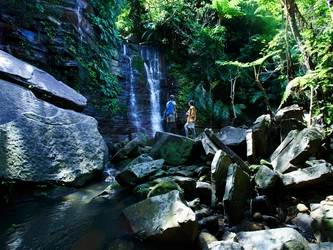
163 188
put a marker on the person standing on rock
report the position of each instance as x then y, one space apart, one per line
170 114
191 119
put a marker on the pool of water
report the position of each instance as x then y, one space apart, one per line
75 221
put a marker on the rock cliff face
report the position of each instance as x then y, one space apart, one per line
36 31
51 34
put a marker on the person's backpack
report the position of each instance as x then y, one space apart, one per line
169 108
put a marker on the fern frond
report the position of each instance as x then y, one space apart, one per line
221 111
298 81
257 95
238 108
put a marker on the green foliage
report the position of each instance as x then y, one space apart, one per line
227 9
221 111
96 60
246 36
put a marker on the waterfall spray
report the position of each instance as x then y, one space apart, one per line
133 108
152 67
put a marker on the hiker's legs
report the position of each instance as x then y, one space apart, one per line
172 127
186 129
171 123
193 133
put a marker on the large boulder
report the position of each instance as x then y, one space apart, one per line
175 149
237 191
40 142
128 150
163 218
40 82
273 239
317 172
296 149
223 245
322 223
265 178
219 169
138 173
234 138
289 118
259 135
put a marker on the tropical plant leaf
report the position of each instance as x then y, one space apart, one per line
257 95
304 81
201 97
238 108
298 81
248 64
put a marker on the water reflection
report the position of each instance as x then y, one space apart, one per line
75 221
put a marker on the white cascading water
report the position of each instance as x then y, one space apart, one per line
78 10
153 72
133 108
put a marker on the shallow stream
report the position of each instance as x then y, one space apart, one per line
74 221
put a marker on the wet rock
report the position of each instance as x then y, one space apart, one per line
208 146
127 151
322 224
236 192
175 149
204 239
259 135
219 169
295 150
41 142
317 172
40 82
202 212
289 118
204 192
163 218
138 173
270 221
222 245
210 223
234 138
265 178
273 239
303 222
261 204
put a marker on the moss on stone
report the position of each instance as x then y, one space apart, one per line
177 152
163 188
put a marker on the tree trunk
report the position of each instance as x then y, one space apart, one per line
290 66
290 9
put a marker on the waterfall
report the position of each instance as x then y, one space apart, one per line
78 11
154 76
133 107
142 98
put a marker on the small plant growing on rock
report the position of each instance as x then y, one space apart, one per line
163 188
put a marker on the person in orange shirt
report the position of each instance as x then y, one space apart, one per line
191 119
